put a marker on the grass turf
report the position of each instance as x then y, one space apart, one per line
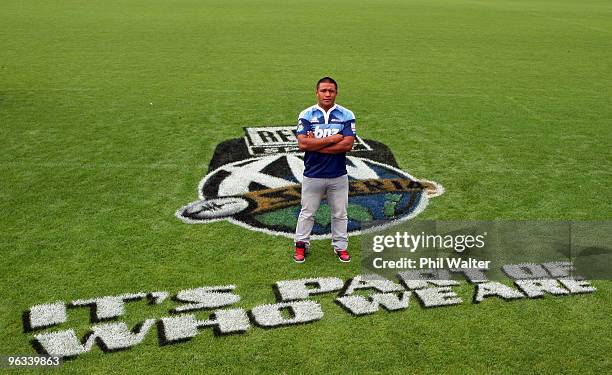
111 111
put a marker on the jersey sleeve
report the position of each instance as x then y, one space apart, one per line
303 126
349 128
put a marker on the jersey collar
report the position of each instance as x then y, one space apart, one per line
326 114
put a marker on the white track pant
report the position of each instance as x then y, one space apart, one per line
313 191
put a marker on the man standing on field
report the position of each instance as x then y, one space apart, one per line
326 132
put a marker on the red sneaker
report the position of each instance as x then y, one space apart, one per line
343 255
300 252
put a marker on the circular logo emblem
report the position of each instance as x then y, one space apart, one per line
263 194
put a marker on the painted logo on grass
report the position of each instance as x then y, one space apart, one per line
255 182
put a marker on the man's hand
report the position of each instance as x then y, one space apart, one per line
345 145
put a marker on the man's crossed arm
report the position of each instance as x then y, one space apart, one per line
334 144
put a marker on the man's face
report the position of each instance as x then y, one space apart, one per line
326 95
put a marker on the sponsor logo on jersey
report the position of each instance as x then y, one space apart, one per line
255 182
322 133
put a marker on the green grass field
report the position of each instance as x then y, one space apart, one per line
110 112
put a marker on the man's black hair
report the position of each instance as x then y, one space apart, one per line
327 80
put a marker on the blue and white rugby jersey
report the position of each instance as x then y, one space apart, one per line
323 124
